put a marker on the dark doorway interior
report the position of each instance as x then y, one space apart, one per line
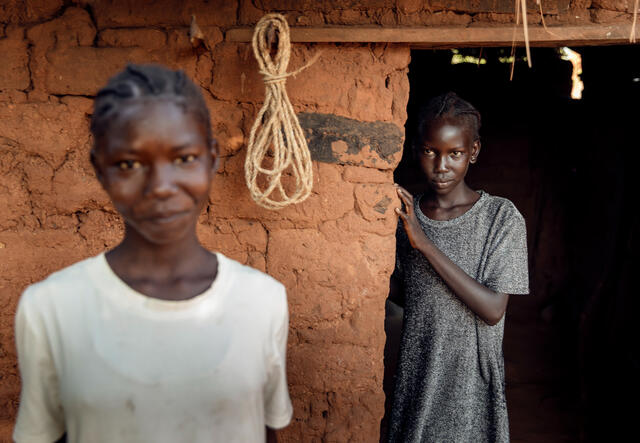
571 353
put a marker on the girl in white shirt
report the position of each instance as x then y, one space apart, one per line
158 339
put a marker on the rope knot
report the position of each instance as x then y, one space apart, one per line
270 79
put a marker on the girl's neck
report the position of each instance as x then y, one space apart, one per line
136 257
461 195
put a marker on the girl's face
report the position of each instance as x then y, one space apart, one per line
156 165
445 153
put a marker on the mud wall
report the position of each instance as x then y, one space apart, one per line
334 252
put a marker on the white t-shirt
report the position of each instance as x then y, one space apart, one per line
108 364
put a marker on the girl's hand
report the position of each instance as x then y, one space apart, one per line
414 231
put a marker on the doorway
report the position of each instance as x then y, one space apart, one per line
569 165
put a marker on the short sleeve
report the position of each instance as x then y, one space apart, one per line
277 404
40 415
506 268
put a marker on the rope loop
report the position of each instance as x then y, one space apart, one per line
276 134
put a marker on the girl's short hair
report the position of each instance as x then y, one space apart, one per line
145 81
448 105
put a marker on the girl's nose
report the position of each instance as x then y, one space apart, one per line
441 164
160 183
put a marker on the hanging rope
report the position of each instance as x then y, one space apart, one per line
276 137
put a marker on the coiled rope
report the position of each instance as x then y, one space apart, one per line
276 137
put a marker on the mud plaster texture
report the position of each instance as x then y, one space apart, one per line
334 252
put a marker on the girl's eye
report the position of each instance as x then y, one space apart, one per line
127 165
427 151
456 154
184 159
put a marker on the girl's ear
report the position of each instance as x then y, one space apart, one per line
215 156
475 151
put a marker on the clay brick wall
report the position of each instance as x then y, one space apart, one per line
334 252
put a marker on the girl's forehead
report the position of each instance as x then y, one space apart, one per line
158 121
457 121
155 115
447 129
142 109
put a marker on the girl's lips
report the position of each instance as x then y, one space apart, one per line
441 184
167 218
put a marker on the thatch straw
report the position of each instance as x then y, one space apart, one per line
544 24
632 36
513 40
523 4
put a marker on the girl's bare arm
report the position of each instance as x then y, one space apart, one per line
487 304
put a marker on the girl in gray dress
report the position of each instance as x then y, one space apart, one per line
460 253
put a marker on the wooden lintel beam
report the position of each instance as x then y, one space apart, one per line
447 37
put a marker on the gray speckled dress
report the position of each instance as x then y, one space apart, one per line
449 383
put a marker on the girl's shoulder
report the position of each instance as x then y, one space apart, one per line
251 286
59 291
499 208
72 277
246 275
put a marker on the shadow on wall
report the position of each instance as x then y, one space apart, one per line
568 165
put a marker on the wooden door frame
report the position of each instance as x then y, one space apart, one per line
451 37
